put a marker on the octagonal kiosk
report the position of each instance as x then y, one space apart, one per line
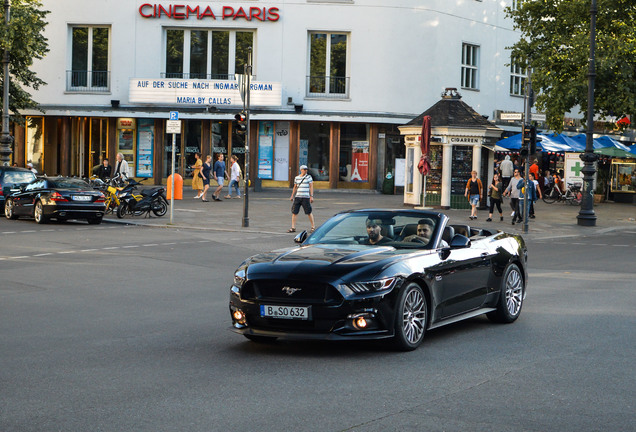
462 140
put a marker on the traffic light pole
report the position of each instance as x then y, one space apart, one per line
526 136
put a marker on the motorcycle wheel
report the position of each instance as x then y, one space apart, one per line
122 210
159 208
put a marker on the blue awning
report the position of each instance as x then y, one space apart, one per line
549 143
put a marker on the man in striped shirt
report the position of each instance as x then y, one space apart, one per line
302 195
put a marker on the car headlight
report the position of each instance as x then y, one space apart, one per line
373 286
239 279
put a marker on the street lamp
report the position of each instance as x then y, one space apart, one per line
5 138
586 215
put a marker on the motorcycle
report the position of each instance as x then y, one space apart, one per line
150 200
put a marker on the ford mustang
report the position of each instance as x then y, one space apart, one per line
379 274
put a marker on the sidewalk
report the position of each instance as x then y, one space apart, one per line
269 212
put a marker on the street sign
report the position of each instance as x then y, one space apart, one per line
511 116
173 126
174 115
537 117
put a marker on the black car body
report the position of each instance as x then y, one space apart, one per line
11 178
336 286
61 198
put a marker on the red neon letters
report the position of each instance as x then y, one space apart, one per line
183 12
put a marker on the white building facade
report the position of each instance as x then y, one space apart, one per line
332 81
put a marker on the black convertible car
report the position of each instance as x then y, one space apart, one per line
380 274
61 198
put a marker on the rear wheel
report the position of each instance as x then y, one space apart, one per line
159 208
38 213
410 318
122 210
9 209
510 297
576 198
550 197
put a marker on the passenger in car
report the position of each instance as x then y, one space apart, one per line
374 228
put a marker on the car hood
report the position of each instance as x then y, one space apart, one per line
325 261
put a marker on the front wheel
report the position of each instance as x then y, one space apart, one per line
410 318
159 207
38 213
510 296
9 209
122 210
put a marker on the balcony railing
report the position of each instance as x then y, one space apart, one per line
88 81
178 75
328 87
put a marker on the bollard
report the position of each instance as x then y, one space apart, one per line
178 187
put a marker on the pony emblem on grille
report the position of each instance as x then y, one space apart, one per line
289 290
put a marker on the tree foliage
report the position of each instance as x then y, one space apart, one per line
24 39
555 44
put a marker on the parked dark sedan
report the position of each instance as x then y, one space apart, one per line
61 198
11 178
380 274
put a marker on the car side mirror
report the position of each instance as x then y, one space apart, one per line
300 238
459 242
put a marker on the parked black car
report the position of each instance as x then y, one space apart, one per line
421 273
10 180
61 198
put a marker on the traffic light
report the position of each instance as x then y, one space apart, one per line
240 123
525 143
533 140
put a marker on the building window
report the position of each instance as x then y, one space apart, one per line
518 77
516 4
470 66
328 65
89 59
206 54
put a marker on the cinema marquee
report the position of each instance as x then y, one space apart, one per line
184 12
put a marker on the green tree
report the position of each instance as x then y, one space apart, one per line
25 41
555 44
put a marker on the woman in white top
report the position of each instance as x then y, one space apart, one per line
235 176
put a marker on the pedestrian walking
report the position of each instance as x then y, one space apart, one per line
197 177
474 192
206 171
302 196
514 194
536 194
507 169
219 176
495 191
235 176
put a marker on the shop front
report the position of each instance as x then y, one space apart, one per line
623 180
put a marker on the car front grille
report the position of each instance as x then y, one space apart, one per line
286 292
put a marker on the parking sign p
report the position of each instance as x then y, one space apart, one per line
174 115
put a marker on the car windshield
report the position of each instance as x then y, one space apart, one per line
19 177
399 229
68 184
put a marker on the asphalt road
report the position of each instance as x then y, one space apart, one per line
120 328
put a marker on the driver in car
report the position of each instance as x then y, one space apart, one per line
374 226
425 228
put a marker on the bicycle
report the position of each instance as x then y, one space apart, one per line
572 194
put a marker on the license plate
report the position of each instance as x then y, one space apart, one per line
286 312
82 197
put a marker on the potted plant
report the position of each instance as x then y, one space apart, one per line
601 185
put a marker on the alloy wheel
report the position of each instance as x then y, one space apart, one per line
414 316
514 292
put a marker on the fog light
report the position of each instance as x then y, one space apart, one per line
360 323
239 316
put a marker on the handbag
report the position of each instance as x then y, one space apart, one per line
200 176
